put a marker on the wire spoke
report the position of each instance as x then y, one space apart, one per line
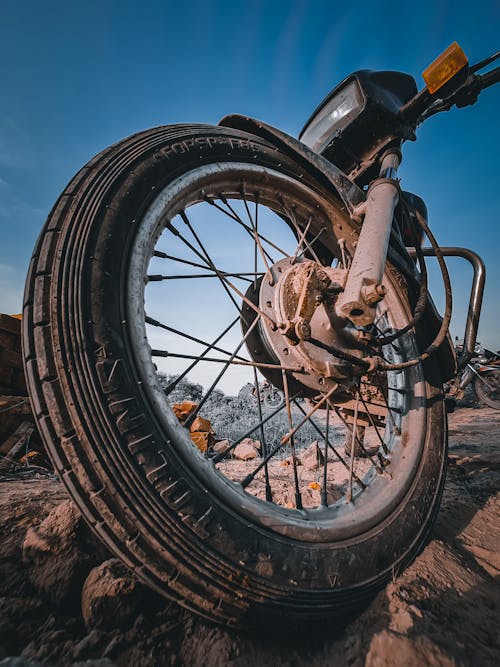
389 409
222 455
378 465
324 498
349 497
157 323
316 407
231 359
322 435
296 226
187 276
298 497
206 258
225 282
269 494
172 386
373 424
237 218
182 238
299 250
163 255
395 347
257 241
255 249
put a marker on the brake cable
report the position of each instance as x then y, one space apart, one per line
421 301
443 329
419 309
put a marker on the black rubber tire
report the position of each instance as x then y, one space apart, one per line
106 444
484 394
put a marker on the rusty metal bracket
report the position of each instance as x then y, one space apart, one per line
475 299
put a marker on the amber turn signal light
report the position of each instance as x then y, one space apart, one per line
444 68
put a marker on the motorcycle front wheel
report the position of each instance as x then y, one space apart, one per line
152 268
489 393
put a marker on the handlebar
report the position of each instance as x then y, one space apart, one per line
490 78
424 105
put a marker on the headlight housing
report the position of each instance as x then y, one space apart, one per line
359 119
335 114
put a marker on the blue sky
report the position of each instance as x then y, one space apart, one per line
78 76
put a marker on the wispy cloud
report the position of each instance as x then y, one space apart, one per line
15 208
15 145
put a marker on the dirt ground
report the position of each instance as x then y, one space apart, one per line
442 611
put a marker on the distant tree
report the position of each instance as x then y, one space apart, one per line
217 397
184 390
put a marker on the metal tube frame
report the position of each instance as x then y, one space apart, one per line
475 299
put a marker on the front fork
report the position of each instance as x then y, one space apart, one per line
364 289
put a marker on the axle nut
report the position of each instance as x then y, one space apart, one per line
303 330
373 293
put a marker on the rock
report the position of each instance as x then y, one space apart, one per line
388 649
201 424
202 439
253 443
202 434
289 461
245 452
312 494
221 446
59 554
111 597
312 458
183 410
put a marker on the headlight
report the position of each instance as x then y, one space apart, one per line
334 115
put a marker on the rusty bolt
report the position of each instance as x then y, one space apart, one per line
372 294
303 330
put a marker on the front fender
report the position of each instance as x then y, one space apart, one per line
319 167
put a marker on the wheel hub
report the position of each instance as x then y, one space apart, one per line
300 297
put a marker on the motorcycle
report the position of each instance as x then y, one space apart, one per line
310 272
482 372
268 395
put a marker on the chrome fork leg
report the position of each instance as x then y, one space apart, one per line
363 288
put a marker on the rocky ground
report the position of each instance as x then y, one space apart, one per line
64 601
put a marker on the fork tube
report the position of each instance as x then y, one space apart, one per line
363 288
